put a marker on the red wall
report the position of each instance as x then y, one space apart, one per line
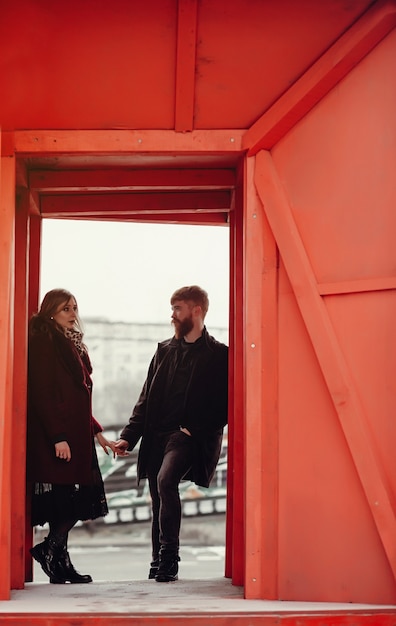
337 167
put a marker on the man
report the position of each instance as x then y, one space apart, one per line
180 415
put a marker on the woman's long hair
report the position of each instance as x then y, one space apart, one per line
43 320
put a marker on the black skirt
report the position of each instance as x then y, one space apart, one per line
52 503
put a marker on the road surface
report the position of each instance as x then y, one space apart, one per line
123 551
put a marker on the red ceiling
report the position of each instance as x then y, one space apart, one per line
155 66
158 64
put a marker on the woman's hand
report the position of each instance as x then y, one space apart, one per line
62 450
121 447
106 443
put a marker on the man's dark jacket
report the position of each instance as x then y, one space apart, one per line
206 406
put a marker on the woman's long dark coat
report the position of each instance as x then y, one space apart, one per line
206 406
59 409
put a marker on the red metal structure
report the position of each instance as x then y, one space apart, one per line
276 118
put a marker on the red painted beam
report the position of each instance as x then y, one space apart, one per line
128 204
94 142
130 180
232 385
35 224
261 400
235 544
358 286
7 222
185 65
197 219
33 288
19 389
214 618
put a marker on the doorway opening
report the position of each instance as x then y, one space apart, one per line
122 275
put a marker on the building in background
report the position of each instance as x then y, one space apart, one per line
121 353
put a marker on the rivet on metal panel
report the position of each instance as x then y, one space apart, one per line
232 139
252 345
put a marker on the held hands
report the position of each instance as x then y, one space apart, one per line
121 447
185 431
105 443
62 448
62 451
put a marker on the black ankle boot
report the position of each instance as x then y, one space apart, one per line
65 572
153 569
168 567
46 553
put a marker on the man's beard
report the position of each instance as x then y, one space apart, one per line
182 328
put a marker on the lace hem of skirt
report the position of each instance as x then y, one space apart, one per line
80 502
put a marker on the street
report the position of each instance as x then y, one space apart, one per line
112 563
119 552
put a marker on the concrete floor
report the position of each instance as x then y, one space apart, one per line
147 596
128 599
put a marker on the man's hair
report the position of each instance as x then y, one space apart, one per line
193 294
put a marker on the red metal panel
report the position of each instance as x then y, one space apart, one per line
329 354
249 53
333 218
123 61
119 59
335 370
332 67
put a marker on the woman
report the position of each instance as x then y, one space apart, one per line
62 465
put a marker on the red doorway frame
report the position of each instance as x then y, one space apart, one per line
28 152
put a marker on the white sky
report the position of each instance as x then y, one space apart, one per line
128 271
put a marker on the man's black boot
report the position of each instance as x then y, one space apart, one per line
168 567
